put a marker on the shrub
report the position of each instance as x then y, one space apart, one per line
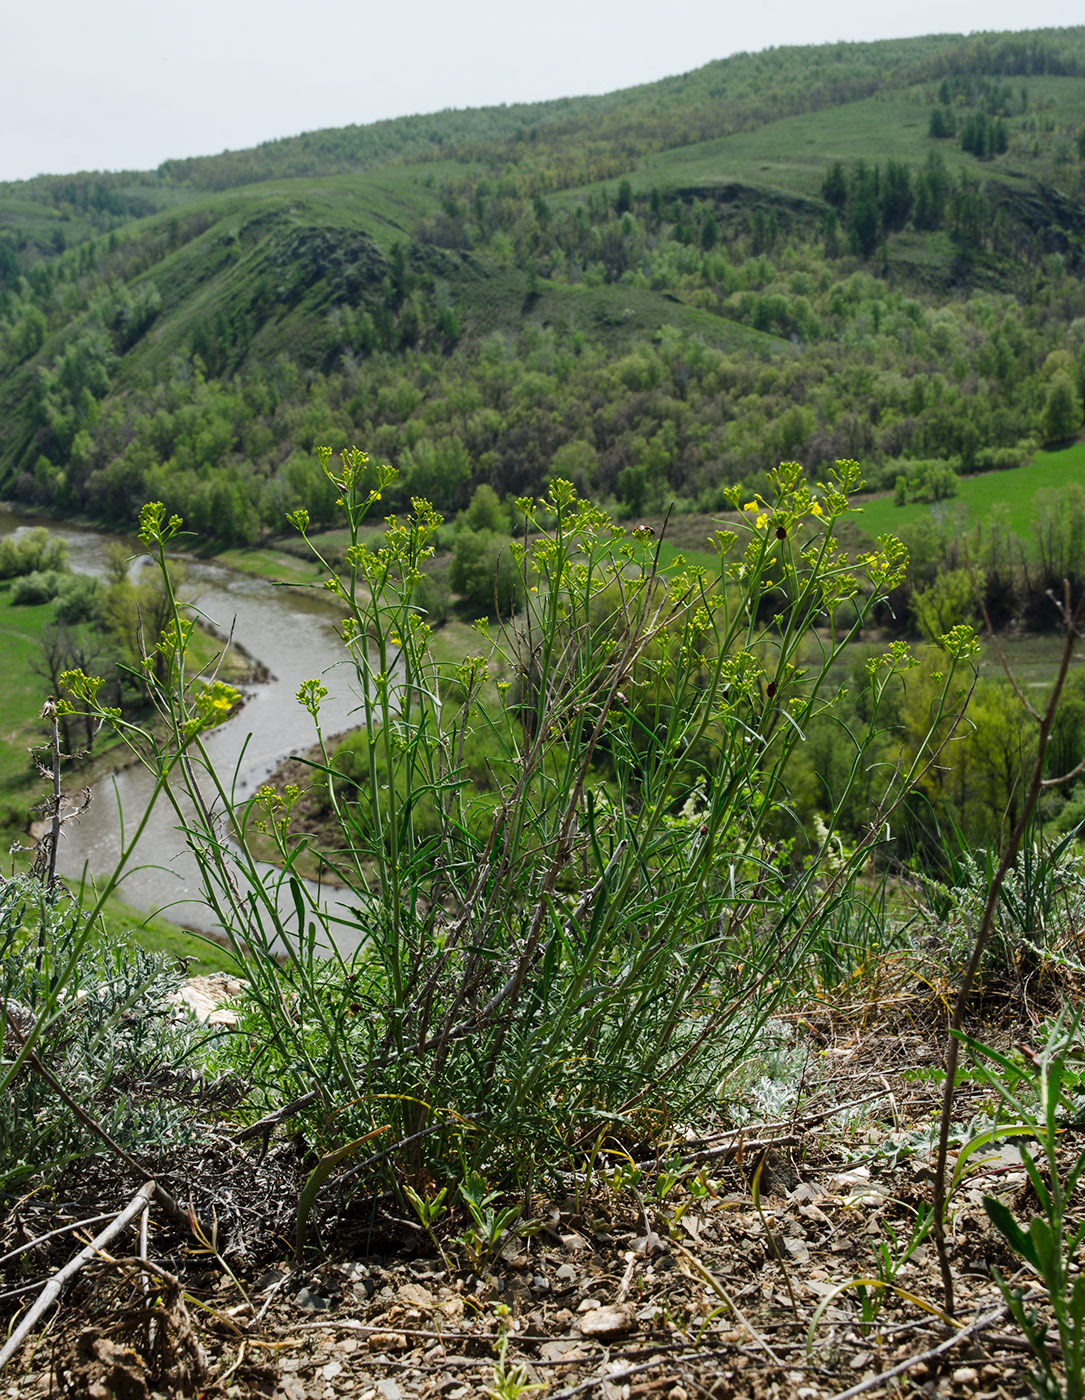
28 590
34 551
934 480
432 597
950 600
79 598
590 959
484 572
104 1034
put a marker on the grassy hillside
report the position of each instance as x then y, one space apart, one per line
790 155
868 250
978 495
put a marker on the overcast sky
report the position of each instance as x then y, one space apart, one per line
125 84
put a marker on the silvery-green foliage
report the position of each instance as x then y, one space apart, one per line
108 1034
1041 898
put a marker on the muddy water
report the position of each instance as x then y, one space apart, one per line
291 631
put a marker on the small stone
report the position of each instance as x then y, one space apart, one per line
309 1301
389 1390
567 1273
563 1349
607 1321
965 1375
387 1341
331 1370
588 1305
205 998
415 1296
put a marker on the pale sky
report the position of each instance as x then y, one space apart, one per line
126 84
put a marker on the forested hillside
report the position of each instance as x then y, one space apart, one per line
867 250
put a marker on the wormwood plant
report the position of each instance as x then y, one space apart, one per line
109 1038
1040 898
592 948
35 996
118 1064
1044 1092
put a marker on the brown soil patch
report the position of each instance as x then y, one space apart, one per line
681 1285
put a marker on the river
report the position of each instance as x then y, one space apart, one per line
292 632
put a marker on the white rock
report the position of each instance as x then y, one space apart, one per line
607 1321
207 997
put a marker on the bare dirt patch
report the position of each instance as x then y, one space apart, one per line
699 1273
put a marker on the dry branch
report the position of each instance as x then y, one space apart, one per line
977 1325
52 1290
1072 623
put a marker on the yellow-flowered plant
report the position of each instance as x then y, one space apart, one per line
568 863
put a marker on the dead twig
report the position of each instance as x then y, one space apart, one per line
977 1325
263 1126
612 1377
52 1290
727 1151
1071 621
52 1234
739 1143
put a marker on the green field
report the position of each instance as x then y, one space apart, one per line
124 923
790 156
977 495
20 640
273 564
21 786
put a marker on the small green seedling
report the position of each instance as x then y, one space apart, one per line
484 1238
429 1210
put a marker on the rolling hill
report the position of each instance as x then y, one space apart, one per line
868 250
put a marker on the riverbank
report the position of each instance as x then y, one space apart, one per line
271 623
24 630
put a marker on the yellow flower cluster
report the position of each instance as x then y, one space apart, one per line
213 706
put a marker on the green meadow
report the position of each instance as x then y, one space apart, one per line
24 692
977 495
